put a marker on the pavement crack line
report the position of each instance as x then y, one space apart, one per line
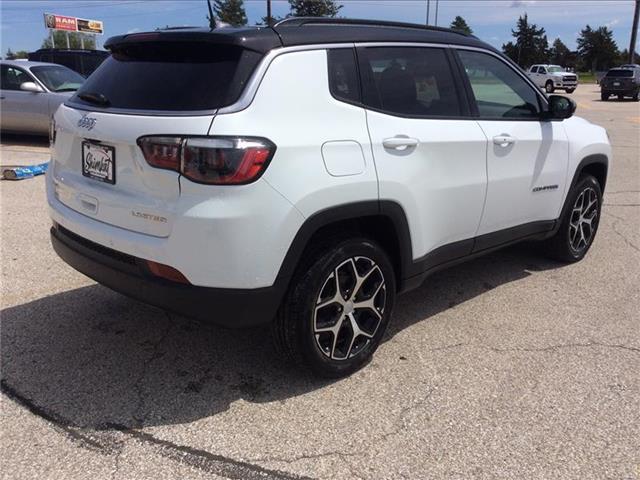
106 444
614 226
206 461
103 443
553 348
297 458
138 414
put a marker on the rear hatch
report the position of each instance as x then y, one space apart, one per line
618 80
168 84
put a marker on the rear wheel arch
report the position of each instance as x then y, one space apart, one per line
383 222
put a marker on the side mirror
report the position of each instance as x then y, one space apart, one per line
30 87
560 107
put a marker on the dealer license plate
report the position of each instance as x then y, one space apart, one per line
99 162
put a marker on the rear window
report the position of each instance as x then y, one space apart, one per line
171 77
620 73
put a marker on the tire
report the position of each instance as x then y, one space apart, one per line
604 96
620 97
579 223
339 276
570 90
548 87
636 96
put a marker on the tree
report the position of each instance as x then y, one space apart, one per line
314 8
597 48
231 12
460 24
60 39
531 45
560 54
19 54
624 57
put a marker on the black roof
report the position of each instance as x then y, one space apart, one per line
303 31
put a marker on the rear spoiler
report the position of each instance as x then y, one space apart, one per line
260 40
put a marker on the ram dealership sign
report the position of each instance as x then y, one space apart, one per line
72 24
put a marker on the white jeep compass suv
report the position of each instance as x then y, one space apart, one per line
305 174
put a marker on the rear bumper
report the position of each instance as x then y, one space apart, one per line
128 275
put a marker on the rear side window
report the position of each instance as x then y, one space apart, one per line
499 91
620 73
344 82
172 77
409 81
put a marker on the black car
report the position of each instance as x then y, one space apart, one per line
621 81
82 61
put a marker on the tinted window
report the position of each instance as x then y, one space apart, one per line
58 78
169 76
343 75
499 91
13 77
542 70
409 81
620 73
534 69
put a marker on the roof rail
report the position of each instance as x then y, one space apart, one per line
299 21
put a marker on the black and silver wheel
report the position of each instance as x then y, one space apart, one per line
548 87
579 223
337 309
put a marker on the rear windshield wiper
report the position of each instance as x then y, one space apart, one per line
95 98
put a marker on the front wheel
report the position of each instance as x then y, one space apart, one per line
604 96
636 96
337 308
579 224
548 87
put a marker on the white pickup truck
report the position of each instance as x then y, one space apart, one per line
552 77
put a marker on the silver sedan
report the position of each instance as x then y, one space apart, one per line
30 93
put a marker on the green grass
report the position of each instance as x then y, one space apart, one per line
586 77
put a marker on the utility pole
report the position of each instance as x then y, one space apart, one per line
269 12
634 33
428 5
437 3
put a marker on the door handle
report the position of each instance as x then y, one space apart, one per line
504 140
400 142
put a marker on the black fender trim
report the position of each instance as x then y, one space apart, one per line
352 211
596 158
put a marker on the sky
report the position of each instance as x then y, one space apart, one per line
22 25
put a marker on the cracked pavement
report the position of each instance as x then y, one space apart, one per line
511 366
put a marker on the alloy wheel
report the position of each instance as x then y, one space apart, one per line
349 308
583 220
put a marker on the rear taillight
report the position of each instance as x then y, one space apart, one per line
211 160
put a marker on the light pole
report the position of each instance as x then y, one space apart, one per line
437 3
634 33
269 12
428 5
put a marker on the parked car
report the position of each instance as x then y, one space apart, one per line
304 175
623 82
82 61
30 92
553 77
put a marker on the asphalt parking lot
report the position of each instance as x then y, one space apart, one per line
512 366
